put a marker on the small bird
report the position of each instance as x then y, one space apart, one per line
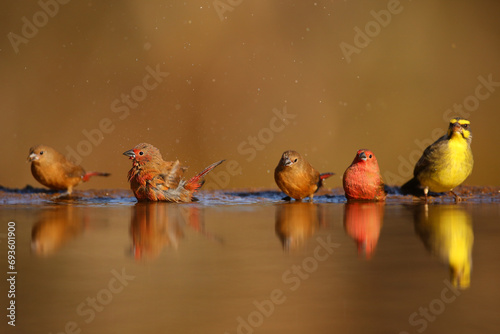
362 179
447 232
446 163
296 177
363 222
154 227
153 179
297 222
53 170
56 227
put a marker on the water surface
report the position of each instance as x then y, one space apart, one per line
252 264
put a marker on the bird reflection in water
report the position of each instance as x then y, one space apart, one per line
446 231
156 225
363 222
297 221
55 227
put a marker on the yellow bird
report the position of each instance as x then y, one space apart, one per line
446 231
446 163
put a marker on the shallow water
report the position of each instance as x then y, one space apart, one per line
252 264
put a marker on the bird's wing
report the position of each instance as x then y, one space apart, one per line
158 182
71 170
428 157
307 171
172 172
159 188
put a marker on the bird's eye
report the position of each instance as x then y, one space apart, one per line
41 152
141 153
370 156
295 160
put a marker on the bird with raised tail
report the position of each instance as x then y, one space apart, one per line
296 177
153 179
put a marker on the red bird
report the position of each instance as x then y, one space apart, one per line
152 179
53 170
362 179
363 222
296 177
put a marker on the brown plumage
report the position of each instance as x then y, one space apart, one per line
153 179
54 171
297 222
171 171
296 177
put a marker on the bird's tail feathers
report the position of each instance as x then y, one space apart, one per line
88 175
323 176
196 181
412 187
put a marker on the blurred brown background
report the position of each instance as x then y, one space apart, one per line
225 78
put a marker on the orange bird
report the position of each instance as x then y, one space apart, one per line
53 170
296 177
152 179
362 179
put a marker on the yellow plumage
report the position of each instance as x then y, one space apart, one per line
447 162
447 232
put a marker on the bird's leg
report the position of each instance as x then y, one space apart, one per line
311 198
426 192
63 195
457 198
67 193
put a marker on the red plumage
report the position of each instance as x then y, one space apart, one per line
196 181
88 175
362 179
362 222
153 179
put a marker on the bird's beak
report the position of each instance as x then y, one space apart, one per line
129 153
362 156
32 157
287 162
457 128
